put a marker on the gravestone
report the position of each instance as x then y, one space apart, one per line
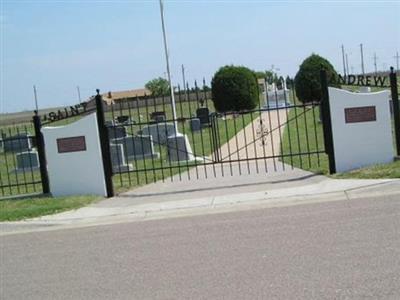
138 147
365 89
27 161
33 141
109 123
118 160
158 116
116 132
195 124
18 143
277 98
179 148
159 131
203 114
123 120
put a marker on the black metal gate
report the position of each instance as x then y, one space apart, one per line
146 144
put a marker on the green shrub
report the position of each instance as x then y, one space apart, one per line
307 80
234 89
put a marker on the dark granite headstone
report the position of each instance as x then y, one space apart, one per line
138 147
123 120
118 160
18 143
203 113
159 131
116 132
158 116
179 148
27 161
195 124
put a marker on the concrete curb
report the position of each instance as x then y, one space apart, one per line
329 190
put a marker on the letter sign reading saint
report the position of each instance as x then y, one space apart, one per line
360 114
71 144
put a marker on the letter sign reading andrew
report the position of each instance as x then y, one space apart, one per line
71 144
360 114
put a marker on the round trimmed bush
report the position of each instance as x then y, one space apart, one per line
234 89
307 80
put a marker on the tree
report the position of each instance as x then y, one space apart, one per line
158 87
234 89
307 80
289 81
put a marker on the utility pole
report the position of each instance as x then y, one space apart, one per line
171 87
36 101
362 59
184 81
344 62
397 60
375 64
347 64
79 94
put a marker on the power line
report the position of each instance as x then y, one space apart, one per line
79 94
344 62
375 64
36 101
397 60
347 63
183 79
362 59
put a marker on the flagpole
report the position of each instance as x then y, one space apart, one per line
168 69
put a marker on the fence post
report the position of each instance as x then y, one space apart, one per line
104 143
396 108
327 122
214 139
41 153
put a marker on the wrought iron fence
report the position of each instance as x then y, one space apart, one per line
148 144
19 161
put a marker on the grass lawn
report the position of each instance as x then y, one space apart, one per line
152 170
303 134
18 209
391 170
319 163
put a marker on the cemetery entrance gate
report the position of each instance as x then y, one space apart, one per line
141 142
144 143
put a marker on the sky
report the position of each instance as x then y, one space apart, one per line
117 45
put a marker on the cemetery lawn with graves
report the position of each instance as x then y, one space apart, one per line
24 208
154 169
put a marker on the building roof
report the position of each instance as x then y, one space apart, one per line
112 97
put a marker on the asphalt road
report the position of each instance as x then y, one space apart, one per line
334 250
